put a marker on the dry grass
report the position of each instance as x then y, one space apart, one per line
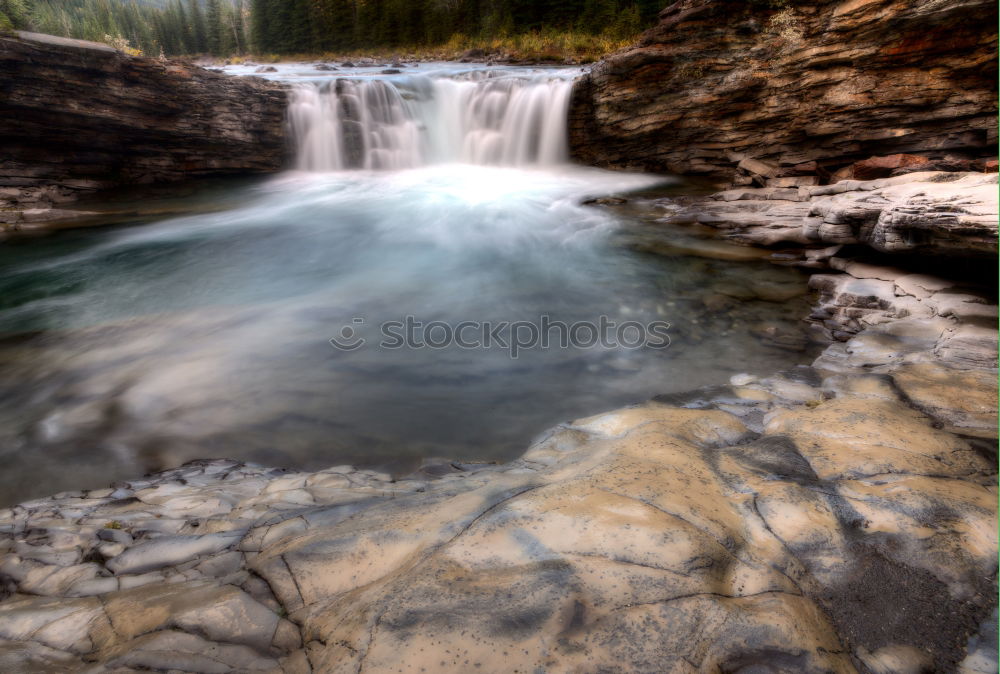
547 47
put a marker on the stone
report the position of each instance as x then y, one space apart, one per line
964 401
71 625
220 613
954 214
758 168
801 181
34 658
921 286
716 81
123 120
962 305
968 345
170 551
172 651
883 167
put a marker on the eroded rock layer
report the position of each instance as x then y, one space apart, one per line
926 213
833 518
796 89
78 116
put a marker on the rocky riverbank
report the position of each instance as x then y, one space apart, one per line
79 116
940 214
840 517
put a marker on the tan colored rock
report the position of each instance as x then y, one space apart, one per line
855 438
220 613
964 401
969 345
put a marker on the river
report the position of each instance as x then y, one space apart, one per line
439 202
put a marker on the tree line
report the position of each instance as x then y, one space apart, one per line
289 26
230 27
168 27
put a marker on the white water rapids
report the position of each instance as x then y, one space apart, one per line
487 118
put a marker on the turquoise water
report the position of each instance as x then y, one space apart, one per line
134 348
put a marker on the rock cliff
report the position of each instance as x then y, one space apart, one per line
78 116
795 92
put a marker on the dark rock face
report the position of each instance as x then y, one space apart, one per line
804 90
78 116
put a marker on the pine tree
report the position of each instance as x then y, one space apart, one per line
238 24
213 27
199 40
15 14
628 23
598 16
259 25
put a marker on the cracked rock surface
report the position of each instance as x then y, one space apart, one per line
833 518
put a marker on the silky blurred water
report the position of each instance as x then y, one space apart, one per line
134 348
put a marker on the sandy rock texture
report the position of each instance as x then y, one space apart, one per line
780 90
78 116
939 213
834 518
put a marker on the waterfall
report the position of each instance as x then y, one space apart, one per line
417 120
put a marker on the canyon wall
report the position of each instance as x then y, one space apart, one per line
78 116
797 93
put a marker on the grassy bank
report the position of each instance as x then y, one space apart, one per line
550 47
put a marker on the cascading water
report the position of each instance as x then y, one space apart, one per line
479 118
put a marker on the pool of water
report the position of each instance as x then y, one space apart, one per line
204 330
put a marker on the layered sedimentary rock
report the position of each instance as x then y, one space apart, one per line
833 518
77 116
928 213
728 88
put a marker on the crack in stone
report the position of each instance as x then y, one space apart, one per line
295 582
625 562
718 595
792 555
371 640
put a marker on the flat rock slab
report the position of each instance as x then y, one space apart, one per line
923 213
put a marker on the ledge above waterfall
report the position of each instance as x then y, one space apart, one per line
77 116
